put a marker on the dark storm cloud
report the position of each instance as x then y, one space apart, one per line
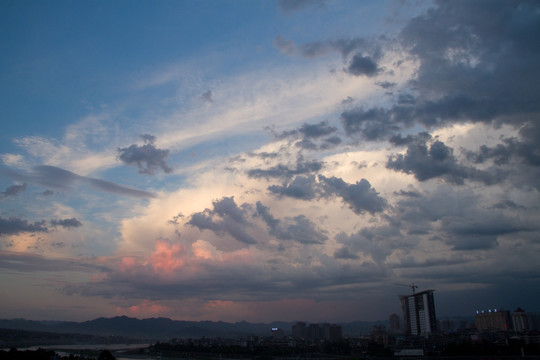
147 157
66 223
15 225
58 178
481 58
13 190
224 218
360 196
477 62
298 228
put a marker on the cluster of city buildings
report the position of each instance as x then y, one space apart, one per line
313 332
501 320
417 332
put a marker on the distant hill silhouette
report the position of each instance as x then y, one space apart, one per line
165 328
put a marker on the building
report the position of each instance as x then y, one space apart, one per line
277 333
419 313
331 332
522 320
394 323
299 330
493 320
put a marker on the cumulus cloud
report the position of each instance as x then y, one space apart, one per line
147 157
360 196
224 218
428 158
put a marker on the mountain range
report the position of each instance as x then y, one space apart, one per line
164 329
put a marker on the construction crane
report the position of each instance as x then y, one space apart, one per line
411 285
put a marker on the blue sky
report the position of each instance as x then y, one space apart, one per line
267 160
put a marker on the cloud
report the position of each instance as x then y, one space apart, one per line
13 190
372 124
286 46
468 60
66 223
147 157
284 171
289 6
319 136
321 48
360 196
298 228
375 242
15 261
344 253
301 187
225 218
58 178
436 160
362 65
207 96
15 225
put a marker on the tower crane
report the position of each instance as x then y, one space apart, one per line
411 285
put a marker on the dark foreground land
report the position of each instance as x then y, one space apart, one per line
223 351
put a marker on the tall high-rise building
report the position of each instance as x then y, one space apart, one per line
419 313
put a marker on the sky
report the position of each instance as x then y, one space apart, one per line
268 160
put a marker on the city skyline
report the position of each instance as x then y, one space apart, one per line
271 160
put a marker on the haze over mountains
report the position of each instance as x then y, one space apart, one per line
163 328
